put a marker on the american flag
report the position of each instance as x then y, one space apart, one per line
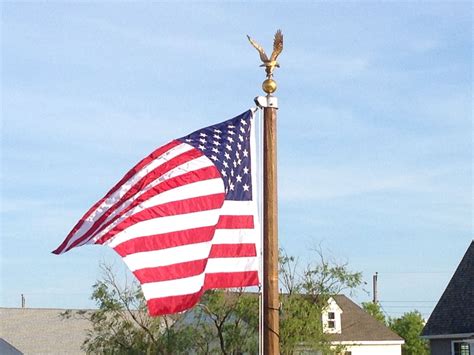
184 219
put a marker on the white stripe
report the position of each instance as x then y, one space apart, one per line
125 187
165 225
177 287
164 257
208 187
238 208
235 236
232 264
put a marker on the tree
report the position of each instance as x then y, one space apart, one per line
305 298
409 327
232 318
374 309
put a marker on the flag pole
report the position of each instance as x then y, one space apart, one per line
271 303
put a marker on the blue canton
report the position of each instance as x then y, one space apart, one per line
227 144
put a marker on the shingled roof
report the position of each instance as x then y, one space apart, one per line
454 313
358 325
42 331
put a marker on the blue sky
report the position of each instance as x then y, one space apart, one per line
375 129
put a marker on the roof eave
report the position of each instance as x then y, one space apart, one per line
447 336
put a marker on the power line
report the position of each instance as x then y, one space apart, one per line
416 272
409 301
408 307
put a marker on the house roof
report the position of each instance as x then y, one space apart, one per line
42 331
454 313
358 325
7 349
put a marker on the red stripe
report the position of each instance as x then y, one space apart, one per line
235 222
171 272
165 240
172 304
190 205
232 250
147 160
231 279
140 185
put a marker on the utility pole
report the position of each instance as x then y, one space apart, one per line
374 283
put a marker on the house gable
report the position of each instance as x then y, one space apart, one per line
454 313
331 317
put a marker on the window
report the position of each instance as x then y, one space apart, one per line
331 320
461 348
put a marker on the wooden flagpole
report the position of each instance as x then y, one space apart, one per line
271 303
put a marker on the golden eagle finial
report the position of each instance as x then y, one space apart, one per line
271 63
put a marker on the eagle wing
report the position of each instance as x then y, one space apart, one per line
259 48
277 45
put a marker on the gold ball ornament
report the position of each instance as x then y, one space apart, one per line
269 86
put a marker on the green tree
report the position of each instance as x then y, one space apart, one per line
374 309
304 299
409 327
227 322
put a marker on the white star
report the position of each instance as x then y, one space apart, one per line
227 156
237 155
203 134
214 158
225 164
239 146
189 140
216 143
215 150
246 153
238 178
216 136
202 147
217 130
228 147
232 172
224 174
231 186
246 170
241 138
243 122
242 129
230 139
235 163
202 140
246 187
230 126
231 132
